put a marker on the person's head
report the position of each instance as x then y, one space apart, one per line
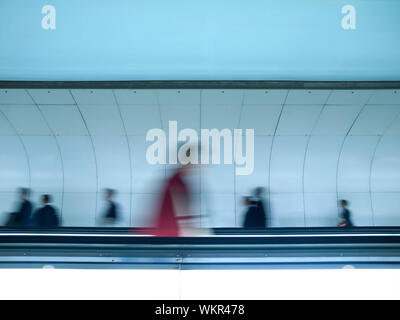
259 192
24 193
46 199
109 194
344 204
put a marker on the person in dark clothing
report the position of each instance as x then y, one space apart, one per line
21 218
111 214
258 197
345 218
255 215
46 217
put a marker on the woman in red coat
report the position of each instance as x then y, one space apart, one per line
175 205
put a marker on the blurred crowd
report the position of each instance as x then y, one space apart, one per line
173 216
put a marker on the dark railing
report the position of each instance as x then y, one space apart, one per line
122 248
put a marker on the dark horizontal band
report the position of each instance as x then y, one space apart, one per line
312 85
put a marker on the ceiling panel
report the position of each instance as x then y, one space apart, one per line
260 175
395 128
64 120
308 97
337 120
320 169
262 118
140 118
375 119
262 97
5 128
175 97
385 174
147 178
136 97
15 96
94 97
143 96
103 119
44 163
27 120
14 166
220 116
52 96
187 116
222 97
287 164
386 97
350 97
79 164
299 119
113 163
354 168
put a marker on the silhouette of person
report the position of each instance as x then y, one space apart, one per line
111 213
46 217
255 215
174 204
174 217
258 197
21 218
345 217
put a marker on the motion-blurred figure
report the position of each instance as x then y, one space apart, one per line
46 217
259 197
345 217
174 217
256 217
111 212
175 205
21 218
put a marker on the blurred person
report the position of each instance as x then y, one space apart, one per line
259 198
255 217
46 217
111 212
175 204
21 218
345 216
174 216
250 220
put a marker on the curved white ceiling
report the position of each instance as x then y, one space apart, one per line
312 148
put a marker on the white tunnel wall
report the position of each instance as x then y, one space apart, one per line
312 148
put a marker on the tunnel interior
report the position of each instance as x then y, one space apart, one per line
312 148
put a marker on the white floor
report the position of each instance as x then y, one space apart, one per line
203 284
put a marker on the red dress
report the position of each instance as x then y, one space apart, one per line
175 198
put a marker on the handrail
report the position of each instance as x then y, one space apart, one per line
82 248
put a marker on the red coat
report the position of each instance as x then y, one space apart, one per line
175 197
